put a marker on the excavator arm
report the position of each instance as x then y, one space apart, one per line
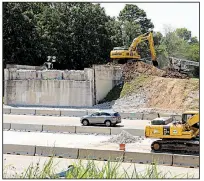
141 38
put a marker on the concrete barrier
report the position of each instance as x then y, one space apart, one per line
6 111
150 116
26 127
22 111
92 129
19 149
139 157
91 111
57 151
136 115
164 115
73 113
102 155
186 160
47 112
134 132
124 115
59 128
6 126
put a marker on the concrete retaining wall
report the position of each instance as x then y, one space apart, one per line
48 87
106 77
186 160
157 158
26 127
57 151
59 128
19 149
102 155
48 93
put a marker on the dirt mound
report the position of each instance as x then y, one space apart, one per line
174 74
131 70
159 94
123 137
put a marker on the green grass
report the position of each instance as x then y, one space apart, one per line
134 85
91 170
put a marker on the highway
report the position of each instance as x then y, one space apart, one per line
71 121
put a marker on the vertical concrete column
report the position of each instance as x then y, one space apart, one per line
6 78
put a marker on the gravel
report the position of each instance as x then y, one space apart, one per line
123 137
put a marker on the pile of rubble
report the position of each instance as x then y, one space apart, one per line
174 74
132 70
123 137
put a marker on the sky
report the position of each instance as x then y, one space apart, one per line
177 15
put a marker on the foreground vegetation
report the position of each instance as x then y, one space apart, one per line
91 170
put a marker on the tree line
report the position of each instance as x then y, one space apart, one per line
82 34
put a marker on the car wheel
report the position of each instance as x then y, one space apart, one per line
108 123
85 122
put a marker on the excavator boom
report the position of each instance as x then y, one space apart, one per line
132 53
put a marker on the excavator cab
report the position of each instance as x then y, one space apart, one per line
187 115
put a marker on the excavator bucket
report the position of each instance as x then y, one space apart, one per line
155 63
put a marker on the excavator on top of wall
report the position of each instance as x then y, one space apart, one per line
181 137
124 55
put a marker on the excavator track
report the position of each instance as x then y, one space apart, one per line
176 146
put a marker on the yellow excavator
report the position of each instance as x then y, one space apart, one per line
124 55
177 136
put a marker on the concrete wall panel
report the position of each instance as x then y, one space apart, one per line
92 129
25 74
6 110
47 112
21 111
135 132
51 74
61 152
6 126
73 113
26 127
19 149
150 116
186 160
146 158
92 111
102 155
58 128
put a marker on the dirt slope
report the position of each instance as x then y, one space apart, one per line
148 89
159 94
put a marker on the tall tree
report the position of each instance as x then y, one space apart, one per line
133 13
20 38
183 33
